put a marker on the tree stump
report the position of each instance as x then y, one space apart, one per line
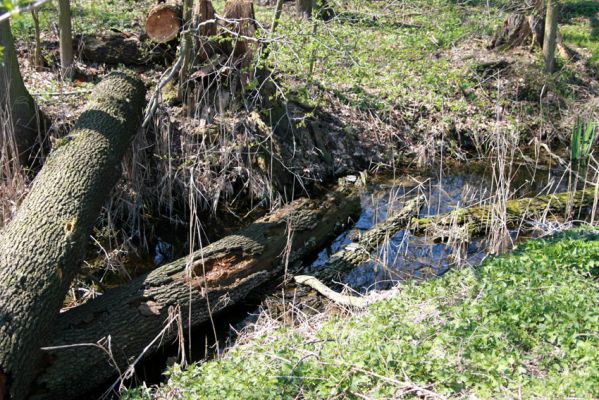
242 12
164 22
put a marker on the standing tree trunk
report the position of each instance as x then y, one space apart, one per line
304 8
186 50
16 104
549 41
66 38
41 249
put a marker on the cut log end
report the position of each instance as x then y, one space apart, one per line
163 23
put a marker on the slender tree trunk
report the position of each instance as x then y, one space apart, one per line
41 249
16 103
187 52
37 54
66 38
549 41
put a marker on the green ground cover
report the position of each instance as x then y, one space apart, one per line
522 325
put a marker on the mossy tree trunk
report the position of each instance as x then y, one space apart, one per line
206 282
41 249
26 122
474 221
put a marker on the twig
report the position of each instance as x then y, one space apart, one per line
17 10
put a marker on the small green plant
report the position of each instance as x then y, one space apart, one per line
583 137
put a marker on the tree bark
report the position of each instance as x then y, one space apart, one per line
207 282
355 254
66 38
186 50
204 48
16 104
243 12
549 42
41 249
473 221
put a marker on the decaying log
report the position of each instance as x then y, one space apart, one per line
474 221
211 279
355 254
42 248
164 22
114 48
242 11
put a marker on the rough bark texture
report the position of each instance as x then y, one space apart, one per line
164 22
16 103
476 220
66 38
243 12
549 41
355 254
216 277
42 247
115 48
204 49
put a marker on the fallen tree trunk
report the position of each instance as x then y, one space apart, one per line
355 254
207 282
41 249
116 48
474 221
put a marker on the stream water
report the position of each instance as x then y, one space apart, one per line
402 257
405 256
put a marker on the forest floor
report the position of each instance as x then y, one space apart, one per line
394 84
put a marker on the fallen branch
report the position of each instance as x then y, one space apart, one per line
355 254
344 300
474 221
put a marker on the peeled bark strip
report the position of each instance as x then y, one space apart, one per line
218 276
476 220
355 254
43 246
164 22
341 299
